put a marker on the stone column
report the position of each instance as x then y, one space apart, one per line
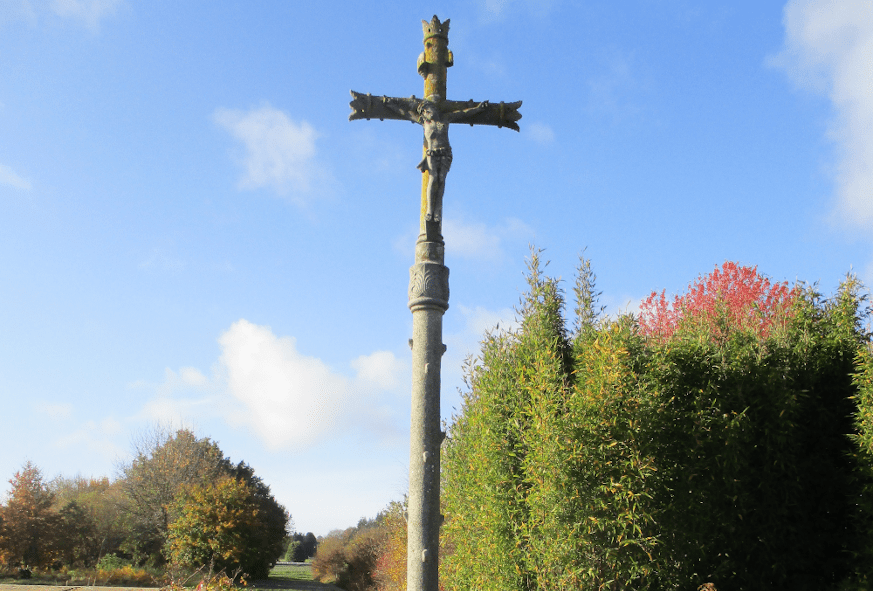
428 300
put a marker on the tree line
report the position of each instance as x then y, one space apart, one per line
178 503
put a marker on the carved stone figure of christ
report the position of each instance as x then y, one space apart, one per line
438 155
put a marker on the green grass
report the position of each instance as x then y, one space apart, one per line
291 573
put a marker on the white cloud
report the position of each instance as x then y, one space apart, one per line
381 368
616 306
611 92
192 376
90 12
539 133
496 7
466 342
828 49
479 320
288 400
480 241
279 153
169 409
180 397
10 178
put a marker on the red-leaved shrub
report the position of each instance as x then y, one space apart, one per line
737 295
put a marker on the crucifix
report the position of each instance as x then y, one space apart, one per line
429 282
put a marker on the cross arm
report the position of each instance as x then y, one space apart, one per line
367 106
499 114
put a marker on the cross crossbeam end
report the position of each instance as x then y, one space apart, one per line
367 106
498 114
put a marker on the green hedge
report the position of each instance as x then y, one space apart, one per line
604 459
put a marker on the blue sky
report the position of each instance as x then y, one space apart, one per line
192 232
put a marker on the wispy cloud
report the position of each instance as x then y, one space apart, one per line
12 179
278 153
162 258
481 241
478 321
89 12
611 91
466 342
828 48
97 437
538 132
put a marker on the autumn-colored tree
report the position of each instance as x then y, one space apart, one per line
390 569
91 509
728 298
349 559
267 542
329 564
214 525
164 463
30 528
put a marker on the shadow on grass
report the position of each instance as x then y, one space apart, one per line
292 576
288 584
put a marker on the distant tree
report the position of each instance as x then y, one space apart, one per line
330 564
78 540
309 543
164 463
302 547
291 547
100 500
348 558
30 528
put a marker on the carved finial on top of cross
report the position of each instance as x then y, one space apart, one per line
435 28
436 57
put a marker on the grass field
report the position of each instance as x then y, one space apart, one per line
298 577
291 572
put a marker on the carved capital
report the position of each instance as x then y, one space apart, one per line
428 286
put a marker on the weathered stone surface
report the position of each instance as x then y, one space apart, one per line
429 281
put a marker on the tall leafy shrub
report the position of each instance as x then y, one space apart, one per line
752 441
707 441
494 455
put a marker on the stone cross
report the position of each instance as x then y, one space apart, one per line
429 282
